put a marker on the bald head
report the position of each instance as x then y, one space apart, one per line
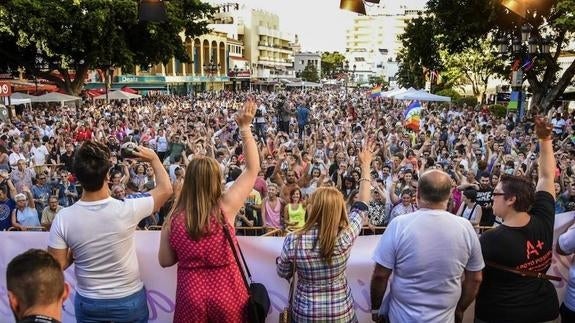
434 186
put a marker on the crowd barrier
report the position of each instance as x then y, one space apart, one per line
260 254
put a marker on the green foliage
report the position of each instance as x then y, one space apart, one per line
453 94
420 49
331 63
498 110
44 36
470 101
461 25
377 80
310 73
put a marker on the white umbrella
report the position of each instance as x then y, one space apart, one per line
118 95
55 97
19 95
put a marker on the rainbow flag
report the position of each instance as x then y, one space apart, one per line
375 92
412 115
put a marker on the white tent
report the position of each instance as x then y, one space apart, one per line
19 95
19 101
421 95
55 97
118 95
303 84
392 93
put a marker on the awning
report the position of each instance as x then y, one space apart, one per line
25 86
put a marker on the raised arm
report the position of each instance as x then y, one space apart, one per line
544 129
365 157
234 198
163 190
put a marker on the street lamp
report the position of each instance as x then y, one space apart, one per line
346 70
235 76
211 69
109 73
526 44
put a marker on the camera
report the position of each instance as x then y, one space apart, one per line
127 150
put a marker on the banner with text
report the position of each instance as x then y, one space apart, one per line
260 254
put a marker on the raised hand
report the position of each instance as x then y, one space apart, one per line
366 153
543 128
246 114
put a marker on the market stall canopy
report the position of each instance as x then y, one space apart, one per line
303 84
118 95
19 101
24 86
421 95
391 93
55 97
18 95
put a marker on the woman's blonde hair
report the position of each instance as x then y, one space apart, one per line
201 192
326 209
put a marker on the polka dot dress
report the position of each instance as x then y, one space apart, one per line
209 286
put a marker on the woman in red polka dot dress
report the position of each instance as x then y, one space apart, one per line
209 285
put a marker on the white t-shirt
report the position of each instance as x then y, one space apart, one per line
39 154
427 251
101 236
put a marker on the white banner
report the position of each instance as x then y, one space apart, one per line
260 254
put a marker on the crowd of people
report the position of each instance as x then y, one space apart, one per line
319 165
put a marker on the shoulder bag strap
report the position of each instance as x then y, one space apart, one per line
293 277
231 242
472 211
524 273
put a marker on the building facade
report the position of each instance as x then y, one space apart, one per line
372 43
303 59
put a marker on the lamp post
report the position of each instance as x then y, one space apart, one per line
526 45
235 77
211 69
109 73
346 70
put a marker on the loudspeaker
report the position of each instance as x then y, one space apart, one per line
353 5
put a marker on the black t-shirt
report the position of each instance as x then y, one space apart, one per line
67 161
485 200
508 297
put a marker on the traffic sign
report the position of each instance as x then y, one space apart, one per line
5 89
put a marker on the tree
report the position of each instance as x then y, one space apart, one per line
472 66
419 52
331 64
50 38
310 73
462 24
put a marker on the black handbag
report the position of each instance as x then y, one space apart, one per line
259 299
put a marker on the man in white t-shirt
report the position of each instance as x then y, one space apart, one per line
38 153
428 251
97 235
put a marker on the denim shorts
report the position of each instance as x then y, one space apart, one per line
132 308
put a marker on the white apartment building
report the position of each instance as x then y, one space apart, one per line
267 50
372 43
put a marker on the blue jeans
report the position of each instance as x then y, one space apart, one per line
132 308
